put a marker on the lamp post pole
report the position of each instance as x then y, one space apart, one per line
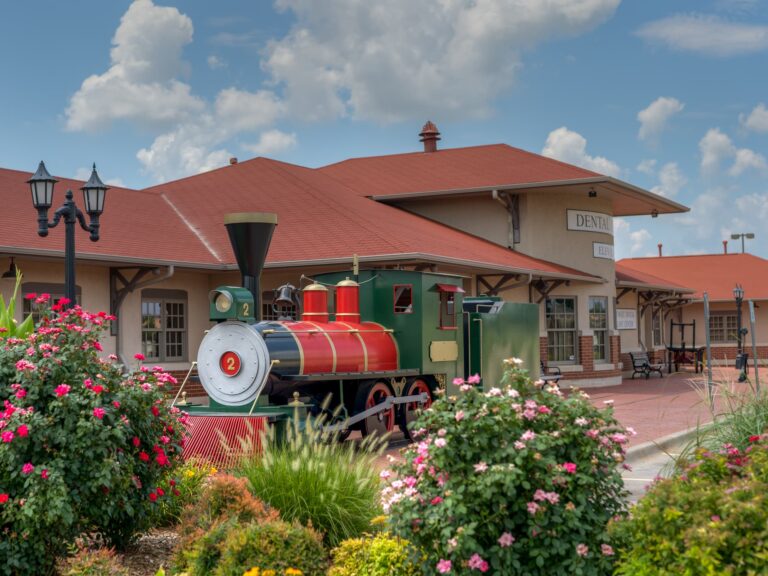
743 235
738 294
41 185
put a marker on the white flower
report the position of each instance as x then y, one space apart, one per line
513 361
493 392
512 393
440 443
608 402
481 467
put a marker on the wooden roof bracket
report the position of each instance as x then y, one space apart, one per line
624 292
506 282
511 203
544 287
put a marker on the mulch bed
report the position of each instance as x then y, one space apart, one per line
151 551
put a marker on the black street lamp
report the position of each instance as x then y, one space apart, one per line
94 192
738 294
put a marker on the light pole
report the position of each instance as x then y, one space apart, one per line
41 185
747 235
738 294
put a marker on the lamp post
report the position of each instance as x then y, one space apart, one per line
738 294
94 191
747 235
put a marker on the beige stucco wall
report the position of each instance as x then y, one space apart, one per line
631 339
695 311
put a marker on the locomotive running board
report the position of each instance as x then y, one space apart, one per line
389 401
352 375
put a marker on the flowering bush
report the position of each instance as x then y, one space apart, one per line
712 519
517 480
378 555
98 562
83 447
186 486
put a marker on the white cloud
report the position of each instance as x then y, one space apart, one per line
671 180
629 242
653 119
571 147
707 35
647 166
717 147
757 119
214 62
272 142
402 59
238 110
141 84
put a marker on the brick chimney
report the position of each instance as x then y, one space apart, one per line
660 247
725 246
429 135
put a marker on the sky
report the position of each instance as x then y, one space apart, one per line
669 95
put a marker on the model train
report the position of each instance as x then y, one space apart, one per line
394 337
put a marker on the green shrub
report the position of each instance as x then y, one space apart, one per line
313 480
225 501
185 486
517 480
8 326
99 562
84 448
378 555
710 520
274 545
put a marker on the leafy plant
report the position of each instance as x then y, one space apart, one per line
711 519
378 555
99 562
517 480
185 486
313 480
83 448
9 328
274 545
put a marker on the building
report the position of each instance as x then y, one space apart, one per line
514 223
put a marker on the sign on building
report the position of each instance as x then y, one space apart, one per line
626 319
600 250
585 221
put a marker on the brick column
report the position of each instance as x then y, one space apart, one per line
543 349
586 358
615 344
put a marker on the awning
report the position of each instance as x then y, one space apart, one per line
449 288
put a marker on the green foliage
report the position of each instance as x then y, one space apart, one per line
83 447
225 502
8 326
274 545
711 520
314 480
378 555
99 562
186 487
517 480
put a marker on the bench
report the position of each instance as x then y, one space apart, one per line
641 364
552 374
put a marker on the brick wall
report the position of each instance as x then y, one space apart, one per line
193 386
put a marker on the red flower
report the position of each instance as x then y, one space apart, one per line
139 356
136 441
44 474
116 404
152 497
22 431
143 456
160 492
99 413
176 492
30 296
98 389
4 498
162 459
754 438
172 482
155 411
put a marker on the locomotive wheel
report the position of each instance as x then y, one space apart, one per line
408 411
368 396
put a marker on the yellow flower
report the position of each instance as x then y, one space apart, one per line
268 573
213 471
381 519
252 572
293 572
189 473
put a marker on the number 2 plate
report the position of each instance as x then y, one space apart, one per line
230 364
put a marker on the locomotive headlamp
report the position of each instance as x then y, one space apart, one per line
231 303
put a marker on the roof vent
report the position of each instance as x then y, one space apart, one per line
232 161
429 135
725 246
660 247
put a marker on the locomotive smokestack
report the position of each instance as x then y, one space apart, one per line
250 234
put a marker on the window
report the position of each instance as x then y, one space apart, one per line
561 329
723 327
56 292
164 325
403 300
447 310
598 323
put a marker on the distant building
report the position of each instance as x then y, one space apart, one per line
514 223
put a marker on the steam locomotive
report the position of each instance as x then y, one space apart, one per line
394 337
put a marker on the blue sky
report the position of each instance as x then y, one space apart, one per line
668 95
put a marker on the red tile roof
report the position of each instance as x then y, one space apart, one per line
320 219
717 274
135 225
451 169
628 277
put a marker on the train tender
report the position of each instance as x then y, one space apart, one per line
393 337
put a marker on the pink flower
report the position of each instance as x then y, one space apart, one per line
436 500
506 540
7 436
606 550
384 474
477 563
592 433
581 421
532 507
44 474
28 468
4 498
22 431
474 379
116 404
569 467
582 549
458 381
440 443
481 467
519 445
459 416
528 435
99 413
62 390
444 566
21 393
139 356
